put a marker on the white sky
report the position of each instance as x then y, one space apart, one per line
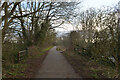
98 3
86 4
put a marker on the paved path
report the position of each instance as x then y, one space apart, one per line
56 66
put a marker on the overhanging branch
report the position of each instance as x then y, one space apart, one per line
57 25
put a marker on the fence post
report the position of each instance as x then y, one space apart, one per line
22 54
18 56
27 52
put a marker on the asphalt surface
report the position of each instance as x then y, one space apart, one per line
56 66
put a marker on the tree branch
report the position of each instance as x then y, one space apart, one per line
57 25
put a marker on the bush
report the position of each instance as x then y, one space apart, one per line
10 52
106 62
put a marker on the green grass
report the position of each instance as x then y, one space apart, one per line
41 52
46 49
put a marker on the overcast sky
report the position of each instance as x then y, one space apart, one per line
98 3
86 4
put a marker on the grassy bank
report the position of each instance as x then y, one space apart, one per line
29 66
89 68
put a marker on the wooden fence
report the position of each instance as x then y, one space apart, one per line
22 55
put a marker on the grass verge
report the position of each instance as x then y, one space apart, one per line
89 68
28 67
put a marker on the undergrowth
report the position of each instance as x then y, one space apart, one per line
13 69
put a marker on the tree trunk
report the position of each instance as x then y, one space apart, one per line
118 54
